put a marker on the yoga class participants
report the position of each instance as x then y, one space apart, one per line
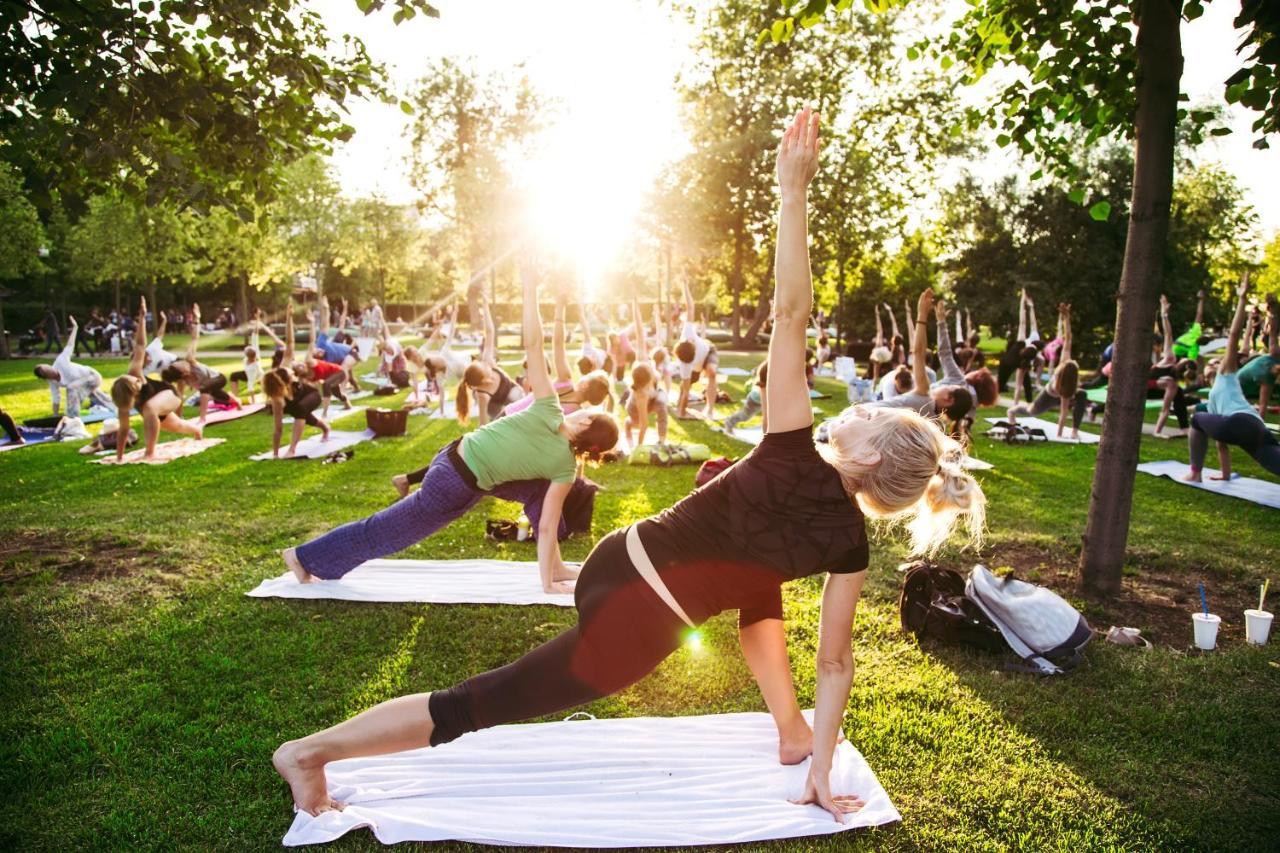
1231 419
695 355
593 389
784 511
538 444
81 383
492 387
211 384
289 394
646 394
155 399
1063 391
251 373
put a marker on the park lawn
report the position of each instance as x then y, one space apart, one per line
143 693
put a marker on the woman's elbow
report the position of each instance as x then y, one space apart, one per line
837 666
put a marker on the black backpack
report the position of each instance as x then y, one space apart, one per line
933 605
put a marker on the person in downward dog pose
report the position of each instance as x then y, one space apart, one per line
784 511
290 395
492 387
1231 419
646 396
500 458
81 382
156 400
695 355
1063 390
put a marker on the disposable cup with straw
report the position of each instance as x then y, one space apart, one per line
1257 623
1205 625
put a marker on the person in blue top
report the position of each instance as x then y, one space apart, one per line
326 348
1231 419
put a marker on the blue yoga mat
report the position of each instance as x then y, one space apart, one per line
32 436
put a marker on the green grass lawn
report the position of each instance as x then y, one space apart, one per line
142 693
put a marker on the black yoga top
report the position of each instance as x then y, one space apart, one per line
150 388
499 399
778 514
305 400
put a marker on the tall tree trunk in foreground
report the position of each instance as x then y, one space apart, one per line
1159 71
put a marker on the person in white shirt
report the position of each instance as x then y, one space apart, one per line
158 358
81 383
695 355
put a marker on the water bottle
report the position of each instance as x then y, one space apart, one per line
522 528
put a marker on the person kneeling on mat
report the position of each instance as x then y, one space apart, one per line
786 510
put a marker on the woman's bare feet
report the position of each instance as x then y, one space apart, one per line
558 588
305 775
796 744
1192 476
401 483
566 573
290 557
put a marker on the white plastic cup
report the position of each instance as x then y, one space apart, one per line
1206 630
1257 625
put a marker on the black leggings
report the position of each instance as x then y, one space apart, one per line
1241 429
1047 401
333 387
9 427
304 405
624 631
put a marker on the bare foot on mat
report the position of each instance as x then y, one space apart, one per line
306 779
290 557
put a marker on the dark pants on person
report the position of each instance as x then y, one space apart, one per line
9 427
1047 401
333 388
216 388
1242 429
624 631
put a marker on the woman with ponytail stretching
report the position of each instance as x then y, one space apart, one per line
784 511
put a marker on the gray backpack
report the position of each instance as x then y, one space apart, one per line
1038 624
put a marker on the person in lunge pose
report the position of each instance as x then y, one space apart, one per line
784 511
1231 419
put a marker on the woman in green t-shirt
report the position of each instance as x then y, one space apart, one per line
539 444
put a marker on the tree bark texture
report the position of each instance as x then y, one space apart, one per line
1159 72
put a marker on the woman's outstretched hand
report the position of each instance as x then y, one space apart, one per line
798 155
817 792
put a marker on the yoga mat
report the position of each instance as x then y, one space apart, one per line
1099 395
233 414
642 781
165 453
431 581
433 410
1245 488
33 436
336 412
315 447
95 415
1051 430
752 435
359 395
733 371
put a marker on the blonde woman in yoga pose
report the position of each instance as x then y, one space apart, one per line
784 511
156 400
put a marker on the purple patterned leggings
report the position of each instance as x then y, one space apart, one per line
444 497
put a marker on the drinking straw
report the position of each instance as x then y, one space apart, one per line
1204 602
1262 596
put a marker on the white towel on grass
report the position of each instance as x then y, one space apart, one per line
644 781
315 447
432 410
1246 488
336 412
733 371
752 435
1051 430
431 581
221 416
1169 431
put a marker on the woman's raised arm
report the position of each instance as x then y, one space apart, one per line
539 380
787 392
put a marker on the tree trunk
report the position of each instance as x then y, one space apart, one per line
762 307
243 291
4 336
1159 71
116 290
153 305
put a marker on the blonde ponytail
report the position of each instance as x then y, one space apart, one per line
952 496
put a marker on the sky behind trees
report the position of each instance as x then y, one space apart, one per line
611 63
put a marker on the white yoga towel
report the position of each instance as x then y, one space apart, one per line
1170 431
1051 430
431 581
432 410
359 395
752 435
336 413
732 371
1246 488
315 447
644 781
